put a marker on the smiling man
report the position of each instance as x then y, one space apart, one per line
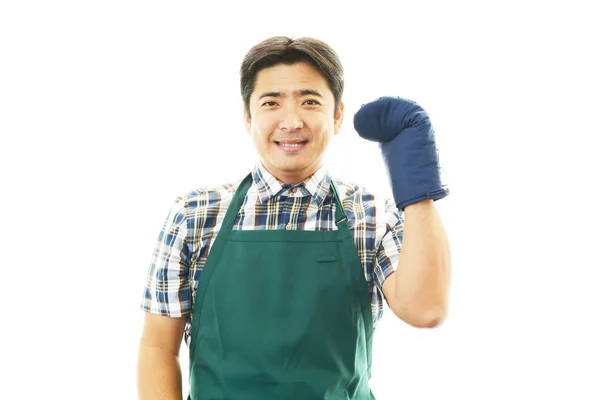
291 116
277 281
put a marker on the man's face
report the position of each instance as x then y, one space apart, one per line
292 120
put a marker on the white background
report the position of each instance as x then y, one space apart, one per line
110 110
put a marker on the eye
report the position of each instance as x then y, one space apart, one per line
269 104
311 102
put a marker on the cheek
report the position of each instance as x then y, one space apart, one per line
321 128
262 128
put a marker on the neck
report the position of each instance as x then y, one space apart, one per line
294 177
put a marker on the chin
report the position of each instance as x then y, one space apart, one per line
287 167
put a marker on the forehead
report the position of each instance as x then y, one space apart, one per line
290 78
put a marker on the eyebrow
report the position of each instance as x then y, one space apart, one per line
303 92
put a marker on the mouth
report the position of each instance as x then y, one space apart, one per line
291 146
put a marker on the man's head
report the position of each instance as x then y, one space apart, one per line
292 90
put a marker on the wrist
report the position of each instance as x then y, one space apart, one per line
422 205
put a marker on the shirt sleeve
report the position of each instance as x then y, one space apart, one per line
167 289
388 252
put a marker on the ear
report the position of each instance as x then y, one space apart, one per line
339 119
247 120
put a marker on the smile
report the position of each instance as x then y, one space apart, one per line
291 147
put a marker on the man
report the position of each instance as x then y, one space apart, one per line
277 281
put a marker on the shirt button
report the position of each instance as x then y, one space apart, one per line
288 226
293 190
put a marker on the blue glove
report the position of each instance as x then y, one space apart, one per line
407 142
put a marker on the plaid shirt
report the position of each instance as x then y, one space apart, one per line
194 221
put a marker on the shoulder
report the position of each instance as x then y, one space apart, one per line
201 199
359 198
358 193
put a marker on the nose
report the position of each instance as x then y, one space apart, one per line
290 119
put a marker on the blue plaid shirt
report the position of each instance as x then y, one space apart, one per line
194 221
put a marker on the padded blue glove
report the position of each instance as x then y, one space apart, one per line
407 142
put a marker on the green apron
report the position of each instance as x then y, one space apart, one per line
281 314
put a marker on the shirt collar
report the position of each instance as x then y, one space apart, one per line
268 186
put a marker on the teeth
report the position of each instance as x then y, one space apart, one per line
291 144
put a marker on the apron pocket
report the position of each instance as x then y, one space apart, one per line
326 259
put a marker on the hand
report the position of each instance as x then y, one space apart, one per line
407 142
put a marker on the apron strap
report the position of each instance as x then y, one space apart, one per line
232 211
340 215
236 204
